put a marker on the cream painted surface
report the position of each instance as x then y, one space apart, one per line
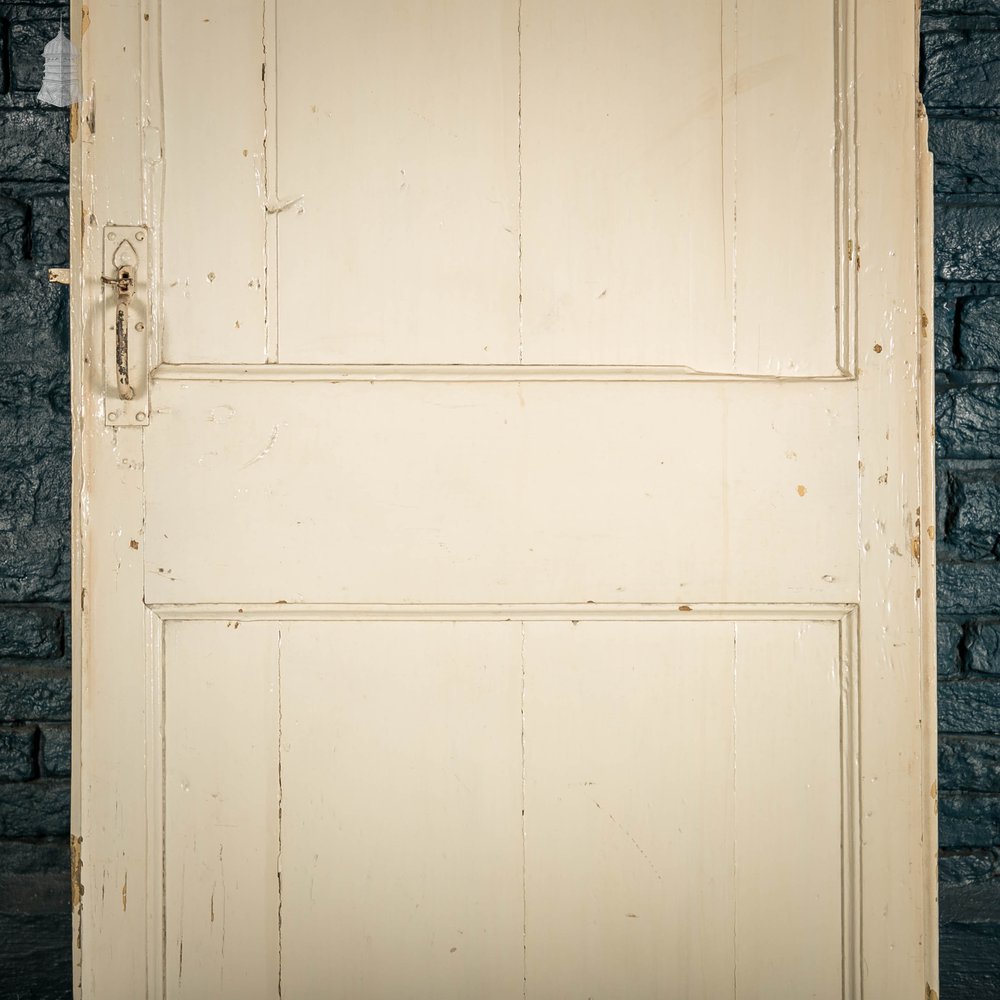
402 877
792 118
409 221
213 223
423 232
678 837
450 631
221 893
672 130
650 859
795 842
447 492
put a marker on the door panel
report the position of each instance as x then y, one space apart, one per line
796 811
593 184
629 759
502 492
515 587
214 230
683 800
672 154
409 232
401 809
221 799
574 806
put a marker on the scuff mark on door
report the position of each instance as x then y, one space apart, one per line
265 450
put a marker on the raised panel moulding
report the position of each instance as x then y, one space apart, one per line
765 652
668 264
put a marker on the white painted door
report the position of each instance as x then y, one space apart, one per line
505 579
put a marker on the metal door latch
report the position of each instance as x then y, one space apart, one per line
124 281
126 276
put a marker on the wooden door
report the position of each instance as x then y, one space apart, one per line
505 577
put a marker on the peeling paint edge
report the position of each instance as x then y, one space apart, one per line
75 871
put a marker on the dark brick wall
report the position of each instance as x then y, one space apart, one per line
35 927
961 84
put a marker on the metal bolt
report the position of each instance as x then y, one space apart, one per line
140 235
140 327
112 236
113 415
140 416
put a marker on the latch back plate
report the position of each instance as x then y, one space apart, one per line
118 242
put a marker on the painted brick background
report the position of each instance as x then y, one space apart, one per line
961 84
35 930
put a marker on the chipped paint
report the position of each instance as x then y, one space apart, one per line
278 206
75 870
90 119
265 450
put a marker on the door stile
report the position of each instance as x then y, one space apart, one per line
897 884
76 233
926 546
109 811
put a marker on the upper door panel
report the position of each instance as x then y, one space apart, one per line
524 203
678 230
